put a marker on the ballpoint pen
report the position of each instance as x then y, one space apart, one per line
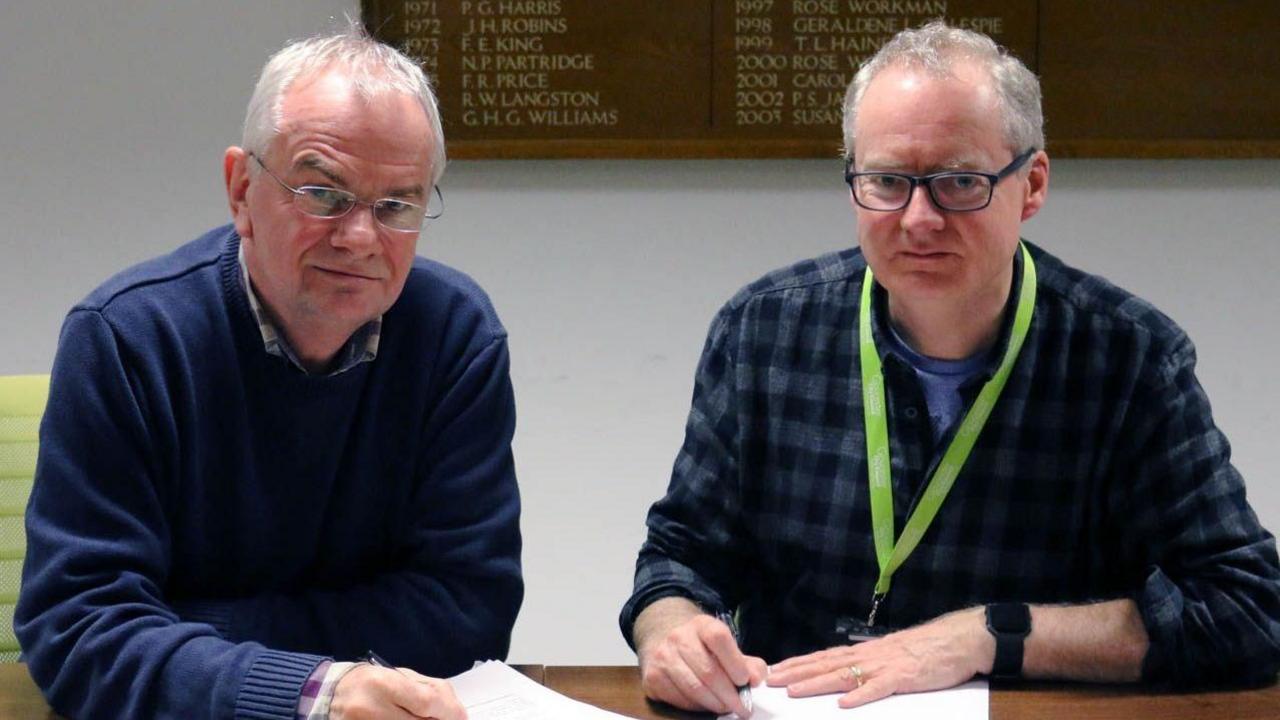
372 658
744 691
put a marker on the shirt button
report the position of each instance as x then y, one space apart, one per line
911 413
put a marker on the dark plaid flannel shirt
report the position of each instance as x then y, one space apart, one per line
1099 475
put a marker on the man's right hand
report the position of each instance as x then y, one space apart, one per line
690 659
368 691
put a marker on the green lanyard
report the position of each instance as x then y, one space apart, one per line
888 555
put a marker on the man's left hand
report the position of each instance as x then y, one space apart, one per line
939 654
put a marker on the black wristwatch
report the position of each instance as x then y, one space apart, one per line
1010 623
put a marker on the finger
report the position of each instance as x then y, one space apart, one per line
814 664
447 706
869 692
815 668
718 638
805 659
757 670
705 661
699 696
781 677
417 676
420 678
844 679
661 687
450 707
430 699
702 679
657 666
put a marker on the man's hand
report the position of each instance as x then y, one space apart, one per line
368 691
939 654
690 659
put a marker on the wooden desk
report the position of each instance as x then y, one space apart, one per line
618 689
20 699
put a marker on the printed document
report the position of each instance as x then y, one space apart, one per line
494 691
965 702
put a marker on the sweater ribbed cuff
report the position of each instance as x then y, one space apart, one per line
272 687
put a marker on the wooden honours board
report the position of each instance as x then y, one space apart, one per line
766 78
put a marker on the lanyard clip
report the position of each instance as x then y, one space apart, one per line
875 605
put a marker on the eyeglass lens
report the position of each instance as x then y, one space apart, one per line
333 203
952 191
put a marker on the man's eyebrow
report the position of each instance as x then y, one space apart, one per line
878 165
954 164
410 191
958 164
311 162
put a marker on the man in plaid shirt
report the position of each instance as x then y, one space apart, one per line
1089 524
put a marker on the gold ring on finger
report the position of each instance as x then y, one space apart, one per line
854 673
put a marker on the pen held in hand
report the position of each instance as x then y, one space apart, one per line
374 659
744 691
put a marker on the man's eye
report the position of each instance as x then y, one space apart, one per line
323 199
399 211
882 184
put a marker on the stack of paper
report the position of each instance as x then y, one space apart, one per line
493 691
966 702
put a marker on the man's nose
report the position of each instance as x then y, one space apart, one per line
921 213
357 231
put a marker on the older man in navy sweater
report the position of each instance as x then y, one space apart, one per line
285 444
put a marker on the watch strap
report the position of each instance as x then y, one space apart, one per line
1009 623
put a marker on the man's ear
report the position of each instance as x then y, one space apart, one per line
235 171
1037 185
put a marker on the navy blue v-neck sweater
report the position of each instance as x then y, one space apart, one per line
208 523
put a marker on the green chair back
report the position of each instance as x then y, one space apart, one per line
22 400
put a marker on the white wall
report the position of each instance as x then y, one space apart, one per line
606 273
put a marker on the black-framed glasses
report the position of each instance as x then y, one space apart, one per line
953 191
332 203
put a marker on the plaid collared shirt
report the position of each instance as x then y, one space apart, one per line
317 691
361 347
1099 475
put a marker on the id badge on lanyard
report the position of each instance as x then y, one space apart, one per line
890 554
851 631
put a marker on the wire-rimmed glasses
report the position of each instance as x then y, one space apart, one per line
332 203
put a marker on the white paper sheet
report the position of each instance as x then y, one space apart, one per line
966 702
494 691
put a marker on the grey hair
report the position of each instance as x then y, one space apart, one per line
938 48
373 67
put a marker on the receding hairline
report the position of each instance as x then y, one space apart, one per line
355 94
374 66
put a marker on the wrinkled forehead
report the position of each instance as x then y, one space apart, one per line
381 124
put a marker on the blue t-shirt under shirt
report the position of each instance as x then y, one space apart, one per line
941 381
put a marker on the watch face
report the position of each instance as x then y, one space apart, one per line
1010 623
1009 618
